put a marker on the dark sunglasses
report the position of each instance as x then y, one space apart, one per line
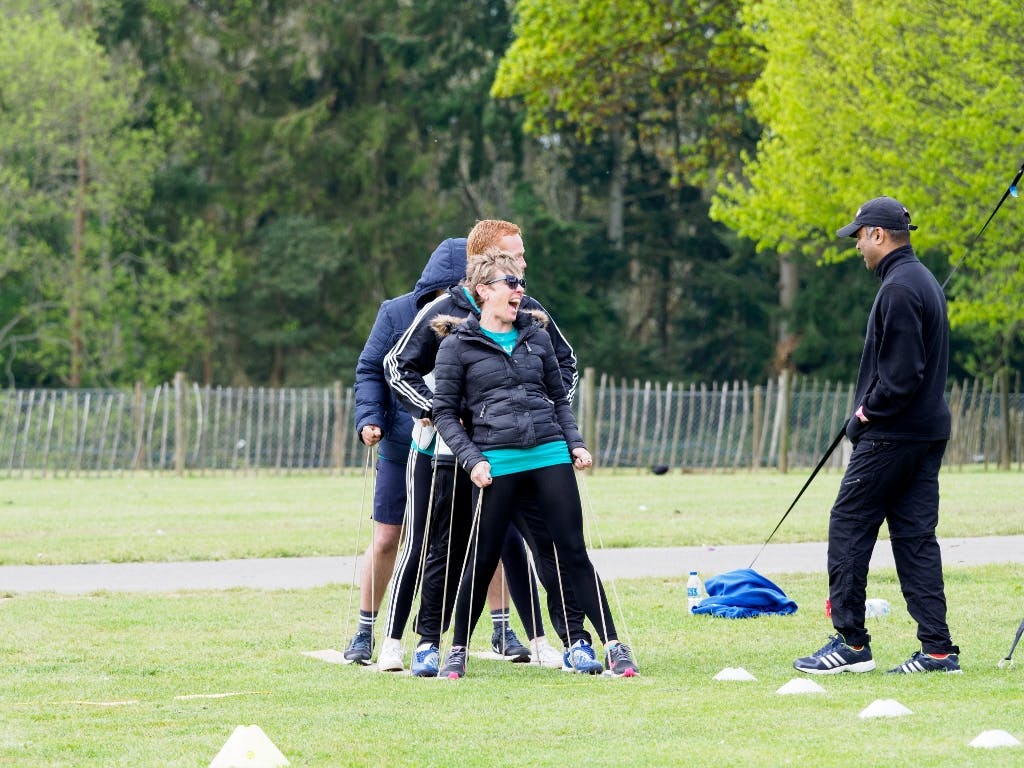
510 280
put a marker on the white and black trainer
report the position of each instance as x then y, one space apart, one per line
836 656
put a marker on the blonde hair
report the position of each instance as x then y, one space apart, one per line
480 268
487 232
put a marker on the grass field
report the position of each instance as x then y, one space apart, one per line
164 518
138 680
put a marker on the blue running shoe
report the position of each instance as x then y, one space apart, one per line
836 656
581 658
424 661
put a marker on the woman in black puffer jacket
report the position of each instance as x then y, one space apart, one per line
500 405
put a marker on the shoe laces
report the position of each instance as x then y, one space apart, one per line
361 640
456 656
620 652
581 648
507 638
834 642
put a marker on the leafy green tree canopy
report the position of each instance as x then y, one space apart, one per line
918 100
678 70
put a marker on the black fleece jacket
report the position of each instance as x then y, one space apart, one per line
902 378
505 400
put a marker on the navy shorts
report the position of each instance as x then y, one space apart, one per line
389 494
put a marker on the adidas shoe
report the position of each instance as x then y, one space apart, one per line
925 662
836 656
424 661
581 658
455 665
505 643
360 649
620 661
390 657
544 654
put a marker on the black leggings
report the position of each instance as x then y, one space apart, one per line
561 523
450 517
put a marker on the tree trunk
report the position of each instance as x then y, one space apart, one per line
77 268
617 195
789 284
787 343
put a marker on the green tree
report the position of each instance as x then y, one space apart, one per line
917 100
312 171
650 97
676 70
75 175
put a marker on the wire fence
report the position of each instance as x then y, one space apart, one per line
784 423
180 427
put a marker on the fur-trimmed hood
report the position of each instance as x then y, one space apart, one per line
445 325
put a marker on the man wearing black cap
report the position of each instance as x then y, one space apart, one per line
899 432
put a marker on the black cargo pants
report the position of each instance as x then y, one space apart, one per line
895 482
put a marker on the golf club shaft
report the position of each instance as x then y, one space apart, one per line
835 442
970 245
1016 639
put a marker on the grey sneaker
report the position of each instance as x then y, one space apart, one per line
836 656
924 662
360 649
455 665
620 661
505 643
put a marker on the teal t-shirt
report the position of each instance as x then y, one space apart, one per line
508 461
504 339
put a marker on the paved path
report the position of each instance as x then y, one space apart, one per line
304 572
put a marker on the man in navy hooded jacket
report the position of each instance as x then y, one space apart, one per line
382 421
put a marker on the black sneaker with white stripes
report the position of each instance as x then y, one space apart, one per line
836 656
505 643
925 662
360 649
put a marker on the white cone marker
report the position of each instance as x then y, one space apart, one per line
800 685
885 708
249 747
997 738
734 673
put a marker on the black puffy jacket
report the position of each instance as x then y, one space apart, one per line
505 401
412 357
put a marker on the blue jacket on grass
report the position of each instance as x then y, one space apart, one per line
743 594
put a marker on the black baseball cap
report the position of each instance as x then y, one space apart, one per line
884 212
